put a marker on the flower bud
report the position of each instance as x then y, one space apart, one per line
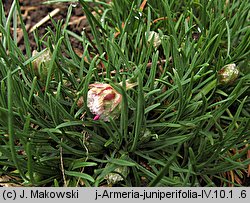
41 64
113 178
103 101
156 38
228 74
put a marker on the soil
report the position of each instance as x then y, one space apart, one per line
33 11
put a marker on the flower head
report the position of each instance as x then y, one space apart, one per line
156 38
41 63
113 178
228 74
103 101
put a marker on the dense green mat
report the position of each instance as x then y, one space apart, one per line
179 126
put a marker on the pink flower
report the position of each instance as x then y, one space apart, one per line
103 101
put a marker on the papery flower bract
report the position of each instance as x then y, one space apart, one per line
41 64
156 38
228 74
103 101
113 178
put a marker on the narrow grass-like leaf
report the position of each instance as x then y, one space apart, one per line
82 164
11 126
164 170
84 176
122 162
139 114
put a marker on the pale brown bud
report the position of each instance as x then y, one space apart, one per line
228 74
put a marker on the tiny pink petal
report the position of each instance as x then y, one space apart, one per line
96 117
